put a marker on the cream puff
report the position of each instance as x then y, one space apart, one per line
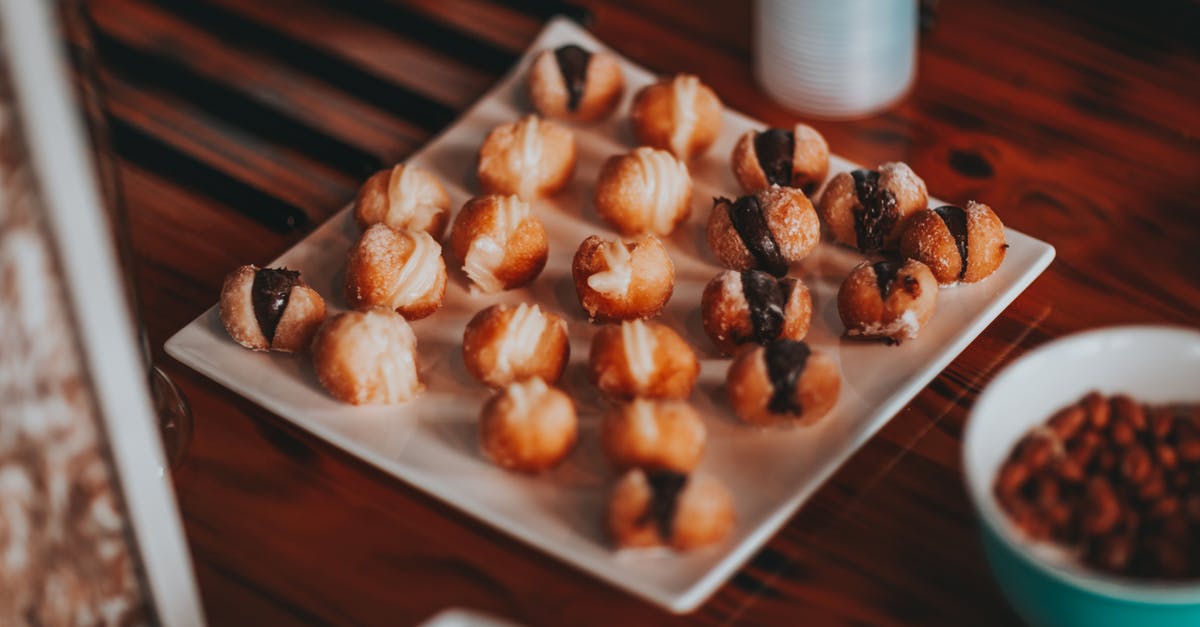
653 435
501 244
642 358
531 158
618 280
367 357
400 270
575 84
868 209
889 300
502 344
270 309
644 191
679 114
650 509
752 306
768 230
404 197
528 426
784 382
958 245
776 156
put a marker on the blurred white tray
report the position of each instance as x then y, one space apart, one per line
431 443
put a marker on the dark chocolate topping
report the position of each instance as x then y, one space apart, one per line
572 63
956 222
751 225
885 277
876 214
665 488
785 363
774 149
269 295
767 297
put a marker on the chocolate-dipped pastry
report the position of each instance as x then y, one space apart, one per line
798 157
649 509
784 382
889 300
767 230
752 306
575 84
957 244
270 309
868 209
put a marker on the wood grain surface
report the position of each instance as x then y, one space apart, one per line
239 126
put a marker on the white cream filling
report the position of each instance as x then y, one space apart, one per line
385 344
619 274
906 326
402 207
521 338
639 343
419 272
487 252
666 181
684 90
645 425
529 156
524 395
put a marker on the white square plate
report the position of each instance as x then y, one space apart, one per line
431 443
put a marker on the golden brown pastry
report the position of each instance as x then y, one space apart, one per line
404 197
868 209
645 191
531 158
528 426
575 84
270 309
784 382
679 114
792 158
500 242
957 244
888 300
653 435
768 230
642 358
752 306
400 270
618 280
367 357
503 344
669 509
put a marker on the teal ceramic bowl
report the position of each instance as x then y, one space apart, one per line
1152 364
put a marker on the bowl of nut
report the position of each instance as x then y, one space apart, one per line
1083 461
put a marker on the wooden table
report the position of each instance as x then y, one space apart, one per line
242 125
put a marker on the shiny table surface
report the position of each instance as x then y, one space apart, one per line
240 126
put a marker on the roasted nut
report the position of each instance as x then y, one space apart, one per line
1121 431
1162 421
1136 465
1112 552
1067 422
1097 409
1102 511
1189 449
1166 456
1128 410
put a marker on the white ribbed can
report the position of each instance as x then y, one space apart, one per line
835 58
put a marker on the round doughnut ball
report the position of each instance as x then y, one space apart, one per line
768 230
531 158
618 280
501 244
270 309
957 244
642 358
503 344
367 357
790 158
645 191
406 198
782 383
752 306
650 509
654 435
575 84
528 426
888 300
679 114
400 270
868 209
